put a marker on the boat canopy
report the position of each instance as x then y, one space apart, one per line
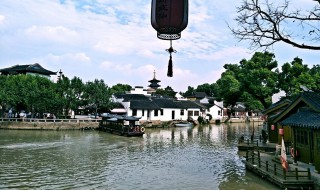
113 117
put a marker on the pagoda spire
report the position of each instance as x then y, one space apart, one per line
154 74
154 82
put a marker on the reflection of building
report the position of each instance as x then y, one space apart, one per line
34 69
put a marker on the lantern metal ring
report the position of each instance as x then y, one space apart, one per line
169 36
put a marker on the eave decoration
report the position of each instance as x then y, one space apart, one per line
169 18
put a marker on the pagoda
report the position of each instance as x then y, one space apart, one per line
154 82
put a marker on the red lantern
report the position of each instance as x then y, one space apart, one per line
272 127
281 132
169 18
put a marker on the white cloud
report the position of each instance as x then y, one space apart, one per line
2 18
108 65
51 33
68 59
229 54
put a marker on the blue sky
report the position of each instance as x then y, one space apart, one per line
114 41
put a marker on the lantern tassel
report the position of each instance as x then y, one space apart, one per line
170 72
170 50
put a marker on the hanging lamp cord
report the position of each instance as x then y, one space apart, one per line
170 66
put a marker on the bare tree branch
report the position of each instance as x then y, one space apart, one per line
264 24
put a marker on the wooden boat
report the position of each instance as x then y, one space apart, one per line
121 124
183 124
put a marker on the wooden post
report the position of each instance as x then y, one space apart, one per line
297 174
275 169
309 174
284 174
294 145
248 141
247 155
252 158
257 143
267 166
259 161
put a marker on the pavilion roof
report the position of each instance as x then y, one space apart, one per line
22 69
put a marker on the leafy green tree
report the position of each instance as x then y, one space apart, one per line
120 88
46 97
315 74
294 75
27 92
64 94
249 81
77 89
168 91
97 95
258 77
189 92
229 89
209 89
14 90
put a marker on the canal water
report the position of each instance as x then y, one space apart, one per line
202 158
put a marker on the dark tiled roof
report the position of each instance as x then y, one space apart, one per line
154 85
129 97
305 117
240 107
309 99
154 80
140 101
312 99
165 102
276 106
200 95
188 104
207 106
144 104
159 103
22 69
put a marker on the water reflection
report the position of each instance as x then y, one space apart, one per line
201 157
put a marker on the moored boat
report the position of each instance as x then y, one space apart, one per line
183 124
121 124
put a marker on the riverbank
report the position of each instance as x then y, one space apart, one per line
80 123
48 124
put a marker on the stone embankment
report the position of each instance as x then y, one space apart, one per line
48 124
